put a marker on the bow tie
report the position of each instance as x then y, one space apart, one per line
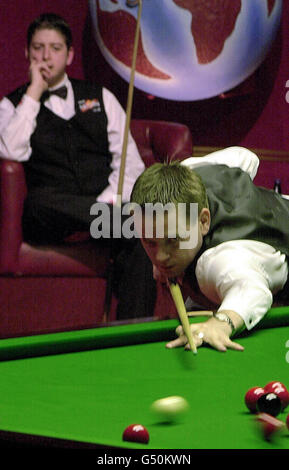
61 92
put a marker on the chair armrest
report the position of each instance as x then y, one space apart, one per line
13 191
159 141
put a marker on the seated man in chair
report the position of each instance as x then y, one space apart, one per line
68 133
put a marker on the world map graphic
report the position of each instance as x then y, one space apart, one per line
188 49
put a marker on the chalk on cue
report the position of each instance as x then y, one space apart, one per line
181 309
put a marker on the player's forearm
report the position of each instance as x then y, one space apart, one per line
250 302
240 276
239 157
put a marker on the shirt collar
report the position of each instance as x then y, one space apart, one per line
64 81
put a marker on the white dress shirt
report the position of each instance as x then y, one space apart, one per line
18 124
240 275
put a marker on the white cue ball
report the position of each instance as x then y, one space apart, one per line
170 408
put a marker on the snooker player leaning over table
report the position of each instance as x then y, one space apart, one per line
241 257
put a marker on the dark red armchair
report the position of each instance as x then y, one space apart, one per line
53 288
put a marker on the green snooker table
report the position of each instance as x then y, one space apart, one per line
83 388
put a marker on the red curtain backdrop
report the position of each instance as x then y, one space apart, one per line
259 119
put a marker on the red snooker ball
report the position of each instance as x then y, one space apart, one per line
280 390
269 425
136 433
287 422
274 384
252 397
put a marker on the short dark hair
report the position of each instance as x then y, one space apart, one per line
169 183
50 21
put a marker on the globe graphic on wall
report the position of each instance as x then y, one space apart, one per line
188 49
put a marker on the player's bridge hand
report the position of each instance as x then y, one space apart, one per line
211 332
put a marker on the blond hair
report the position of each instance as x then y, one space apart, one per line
169 183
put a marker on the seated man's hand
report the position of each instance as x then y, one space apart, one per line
214 332
39 73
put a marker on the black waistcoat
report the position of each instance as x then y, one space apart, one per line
70 155
241 210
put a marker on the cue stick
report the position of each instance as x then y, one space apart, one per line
110 273
181 309
200 313
130 3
